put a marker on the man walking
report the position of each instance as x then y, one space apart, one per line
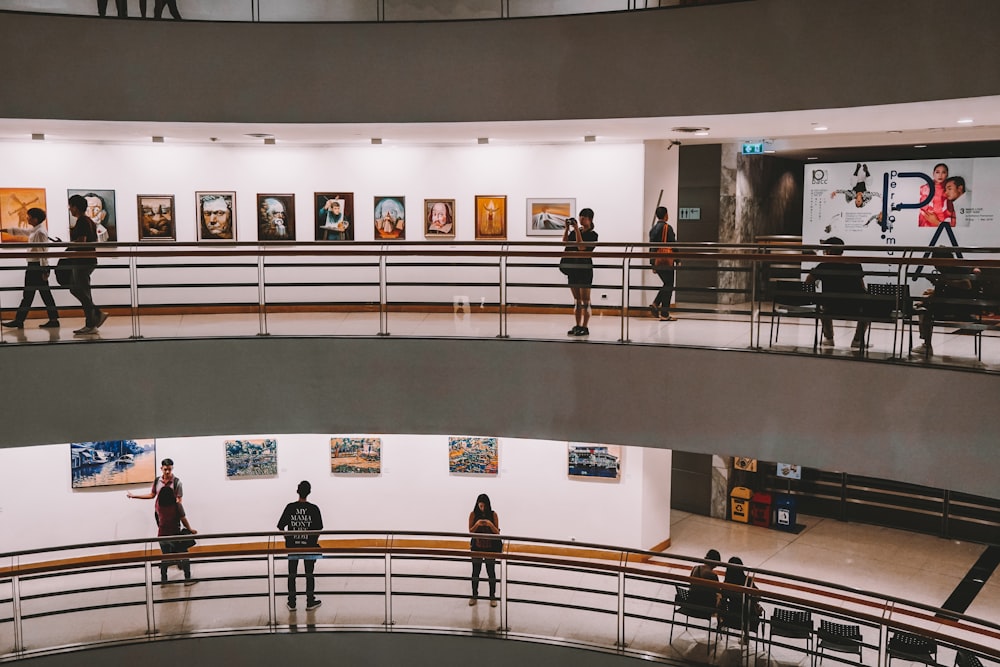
301 515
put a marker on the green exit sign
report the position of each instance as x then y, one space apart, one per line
753 147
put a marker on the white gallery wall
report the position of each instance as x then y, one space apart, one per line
532 494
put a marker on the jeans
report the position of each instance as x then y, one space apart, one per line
80 288
35 280
491 571
174 548
666 293
293 570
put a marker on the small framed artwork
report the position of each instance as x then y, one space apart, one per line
112 462
473 455
216 216
745 463
390 218
275 217
594 461
252 458
789 471
439 218
334 216
491 217
100 209
156 218
356 456
547 217
14 206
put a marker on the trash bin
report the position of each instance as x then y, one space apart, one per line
760 509
740 497
785 512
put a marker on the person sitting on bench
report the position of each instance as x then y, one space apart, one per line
839 280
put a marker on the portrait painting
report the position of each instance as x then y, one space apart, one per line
473 455
112 463
547 217
275 217
216 216
439 218
334 216
252 458
390 218
100 209
14 206
594 461
356 456
491 217
156 218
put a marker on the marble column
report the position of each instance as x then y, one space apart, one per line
730 230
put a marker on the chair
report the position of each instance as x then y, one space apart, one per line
890 302
690 608
791 298
966 659
914 648
791 624
840 638
738 612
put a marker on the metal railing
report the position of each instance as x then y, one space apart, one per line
608 598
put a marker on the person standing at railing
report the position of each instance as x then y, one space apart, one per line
663 266
580 237
299 516
36 277
170 517
121 5
168 4
166 479
482 519
83 233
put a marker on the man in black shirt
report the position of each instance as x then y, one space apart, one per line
301 515
839 282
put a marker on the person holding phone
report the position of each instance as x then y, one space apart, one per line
482 519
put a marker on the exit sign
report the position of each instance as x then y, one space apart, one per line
753 147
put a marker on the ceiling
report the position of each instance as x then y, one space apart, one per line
887 132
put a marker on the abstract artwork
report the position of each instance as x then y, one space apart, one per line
14 206
491 217
356 456
600 461
156 218
251 458
473 455
439 218
547 217
275 217
100 209
112 462
334 216
216 216
390 218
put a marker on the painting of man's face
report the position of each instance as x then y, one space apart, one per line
216 216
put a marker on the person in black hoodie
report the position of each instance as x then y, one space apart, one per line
302 515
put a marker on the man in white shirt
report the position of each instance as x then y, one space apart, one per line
36 278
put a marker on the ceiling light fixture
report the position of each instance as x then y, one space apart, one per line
812 158
689 130
964 121
701 133
590 138
157 140
820 128
269 141
920 145
376 141
37 136
258 135
482 141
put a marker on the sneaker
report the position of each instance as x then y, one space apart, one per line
493 603
827 342
582 331
859 345
85 331
473 601
51 324
923 349
654 310
14 324
313 605
575 331
101 319
190 582
290 605
667 317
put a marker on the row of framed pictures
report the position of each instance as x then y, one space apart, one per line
119 462
334 216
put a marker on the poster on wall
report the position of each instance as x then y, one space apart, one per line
952 202
275 217
252 458
473 455
547 217
334 216
439 218
789 471
216 216
491 217
390 218
156 218
112 463
745 463
356 456
594 461
100 209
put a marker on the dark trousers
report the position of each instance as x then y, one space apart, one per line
169 4
859 330
293 570
491 572
174 548
122 5
35 280
666 293
80 288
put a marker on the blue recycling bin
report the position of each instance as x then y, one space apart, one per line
785 512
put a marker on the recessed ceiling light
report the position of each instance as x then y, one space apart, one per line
376 141
157 140
590 138
269 141
820 128
894 132
964 121
920 145
483 141
701 133
769 151
689 130
258 135
37 136
812 158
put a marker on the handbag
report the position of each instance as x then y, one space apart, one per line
662 258
185 544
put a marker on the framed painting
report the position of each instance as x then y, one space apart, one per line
334 216
156 218
594 461
473 455
356 456
491 217
252 458
275 217
789 471
101 209
390 218
216 216
14 206
112 463
439 218
547 217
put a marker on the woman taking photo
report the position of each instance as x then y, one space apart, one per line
169 517
579 271
483 519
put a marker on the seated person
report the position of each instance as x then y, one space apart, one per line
705 597
951 284
738 610
838 282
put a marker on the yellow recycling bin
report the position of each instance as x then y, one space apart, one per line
740 498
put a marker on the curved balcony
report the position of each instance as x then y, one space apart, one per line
595 597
